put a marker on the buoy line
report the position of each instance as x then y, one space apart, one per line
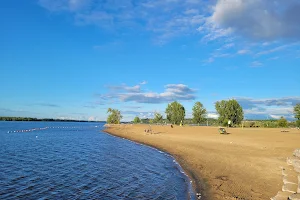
44 128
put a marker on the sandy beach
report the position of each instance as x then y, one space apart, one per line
245 164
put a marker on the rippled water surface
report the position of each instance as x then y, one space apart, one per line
54 160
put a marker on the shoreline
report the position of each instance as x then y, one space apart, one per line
187 173
246 164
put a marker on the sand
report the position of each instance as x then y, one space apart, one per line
248 163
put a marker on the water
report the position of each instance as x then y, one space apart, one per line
63 160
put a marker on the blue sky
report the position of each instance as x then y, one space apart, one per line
76 58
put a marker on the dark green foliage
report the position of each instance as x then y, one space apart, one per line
229 110
199 113
175 112
114 117
282 122
207 122
297 114
298 123
145 121
297 111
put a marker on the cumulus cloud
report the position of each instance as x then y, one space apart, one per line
255 19
269 112
267 20
172 92
266 108
132 89
285 101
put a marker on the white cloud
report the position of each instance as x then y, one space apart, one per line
251 102
243 51
123 87
78 4
191 12
98 18
212 115
258 19
256 64
275 116
229 45
172 92
209 60
265 108
274 58
167 19
65 5
276 49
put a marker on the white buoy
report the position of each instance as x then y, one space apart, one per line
36 136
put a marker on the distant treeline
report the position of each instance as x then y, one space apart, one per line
208 121
44 119
271 123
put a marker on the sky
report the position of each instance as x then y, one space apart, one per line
74 59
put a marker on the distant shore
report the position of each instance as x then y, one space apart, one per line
246 164
42 119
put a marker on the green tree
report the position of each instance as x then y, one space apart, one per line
298 123
282 122
199 113
114 117
136 120
175 112
297 114
158 118
229 110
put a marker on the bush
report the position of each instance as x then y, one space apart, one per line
282 122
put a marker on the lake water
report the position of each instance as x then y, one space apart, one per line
64 160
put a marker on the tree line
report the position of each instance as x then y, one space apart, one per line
175 113
230 114
40 120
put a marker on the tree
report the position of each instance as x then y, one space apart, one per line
136 120
282 122
229 110
199 113
114 117
297 114
158 118
175 112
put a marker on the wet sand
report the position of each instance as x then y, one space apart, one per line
245 164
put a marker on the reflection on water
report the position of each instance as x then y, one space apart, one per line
64 160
